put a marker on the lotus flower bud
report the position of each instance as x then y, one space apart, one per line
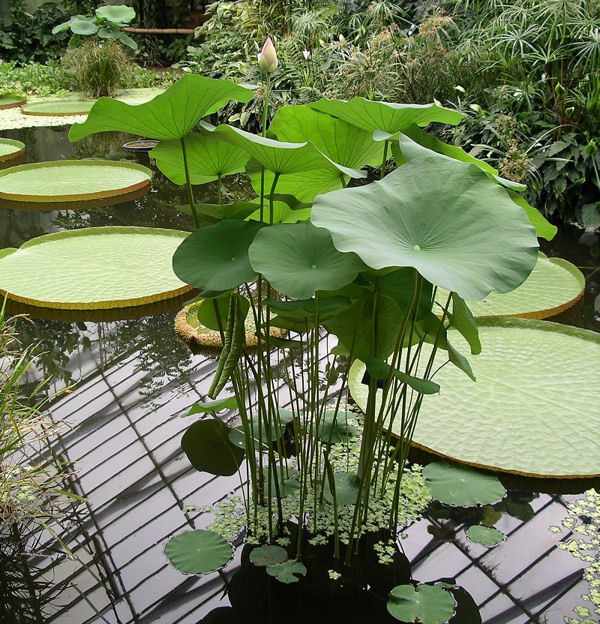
267 59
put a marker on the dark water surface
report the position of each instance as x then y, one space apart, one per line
131 382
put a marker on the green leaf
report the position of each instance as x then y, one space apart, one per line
287 572
399 285
386 119
462 487
207 446
379 369
425 604
487 536
170 115
208 317
216 257
334 429
307 309
543 228
125 39
444 218
346 488
198 552
84 27
268 555
208 158
93 268
301 259
463 321
64 26
116 14
213 406
213 213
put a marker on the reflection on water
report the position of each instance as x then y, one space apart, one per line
132 380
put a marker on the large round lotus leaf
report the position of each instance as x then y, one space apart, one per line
460 486
533 410
84 26
443 217
11 101
197 552
116 14
553 286
10 151
58 108
72 181
170 115
426 604
268 555
300 259
93 268
216 257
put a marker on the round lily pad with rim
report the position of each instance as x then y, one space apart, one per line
553 287
11 101
58 108
533 410
11 153
426 604
268 555
93 268
67 184
198 552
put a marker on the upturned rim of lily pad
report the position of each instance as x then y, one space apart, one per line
56 108
13 157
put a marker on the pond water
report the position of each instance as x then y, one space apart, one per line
132 379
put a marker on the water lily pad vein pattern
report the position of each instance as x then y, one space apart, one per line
533 410
93 268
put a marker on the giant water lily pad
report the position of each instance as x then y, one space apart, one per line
73 183
11 101
533 410
553 287
58 108
93 268
198 552
11 152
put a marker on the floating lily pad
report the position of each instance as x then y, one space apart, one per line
460 486
58 108
553 287
533 410
487 536
198 552
346 488
93 268
426 604
268 555
11 152
11 101
65 184
334 428
287 571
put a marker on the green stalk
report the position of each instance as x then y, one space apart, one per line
384 161
189 184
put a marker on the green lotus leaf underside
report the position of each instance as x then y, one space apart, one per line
93 268
58 108
198 552
443 217
554 285
533 410
170 115
72 180
9 148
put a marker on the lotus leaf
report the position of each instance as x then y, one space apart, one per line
386 119
536 381
83 26
449 244
198 552
334 428
93 268
208 158
287 571
462 487
346 488
58 108
170 115
216 257
116 14
206 444
486 536
301 259
72 181
268 555
425 604
213 406
553 286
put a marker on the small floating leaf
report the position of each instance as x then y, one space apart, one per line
197 552
426 604
463 487
268 555
346 489
286 572
487 536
